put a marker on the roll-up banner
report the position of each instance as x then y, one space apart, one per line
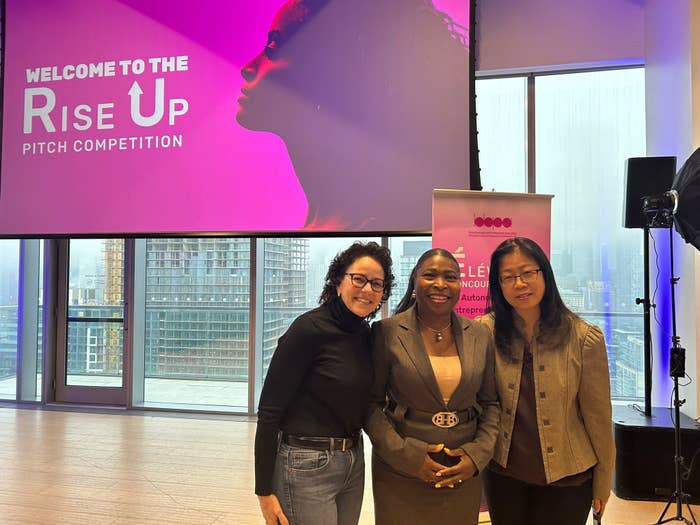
471 224
233 116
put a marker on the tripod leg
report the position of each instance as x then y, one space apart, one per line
694 522
686 497
663 513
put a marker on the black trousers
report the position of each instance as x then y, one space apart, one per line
514 502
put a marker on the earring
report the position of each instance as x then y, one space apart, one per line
413 294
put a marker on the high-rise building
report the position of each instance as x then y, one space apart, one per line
197 307
411 252
197 304
113 257
8 340
627 363
286 290
573 299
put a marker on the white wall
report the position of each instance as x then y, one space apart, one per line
673 122
535 34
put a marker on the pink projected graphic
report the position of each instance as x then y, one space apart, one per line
231 116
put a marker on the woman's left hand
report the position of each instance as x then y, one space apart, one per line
452 476
599 506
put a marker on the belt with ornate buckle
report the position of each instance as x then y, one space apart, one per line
445 419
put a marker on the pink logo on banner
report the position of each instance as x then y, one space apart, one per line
496 222
471 235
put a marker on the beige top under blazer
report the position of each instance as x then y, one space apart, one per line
403 370
572 395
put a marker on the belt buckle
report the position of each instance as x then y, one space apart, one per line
343 442
445 419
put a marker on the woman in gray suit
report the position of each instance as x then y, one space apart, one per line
434 414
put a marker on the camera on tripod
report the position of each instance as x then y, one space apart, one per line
660 209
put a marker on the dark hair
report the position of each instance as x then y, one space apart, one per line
342 261
409 297
555 317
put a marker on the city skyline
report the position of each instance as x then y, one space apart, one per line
197 305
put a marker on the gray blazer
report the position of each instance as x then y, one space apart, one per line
403 374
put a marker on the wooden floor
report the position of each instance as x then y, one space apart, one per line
87 468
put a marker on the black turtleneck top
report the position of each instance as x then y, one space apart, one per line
318 383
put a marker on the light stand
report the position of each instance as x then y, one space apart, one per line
676 370
646 306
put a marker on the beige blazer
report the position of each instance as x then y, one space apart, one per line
403 372
574 413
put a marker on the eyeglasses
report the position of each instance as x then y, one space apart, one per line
359 281
526 277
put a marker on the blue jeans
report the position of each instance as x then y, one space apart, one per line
320 487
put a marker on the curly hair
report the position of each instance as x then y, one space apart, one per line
342 261
409 297
555 317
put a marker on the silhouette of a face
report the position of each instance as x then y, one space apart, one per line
370 91
270 92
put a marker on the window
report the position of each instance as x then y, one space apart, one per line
14 298
501 106
9 301
587 125
94 353
195 348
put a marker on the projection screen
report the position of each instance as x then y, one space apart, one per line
147 117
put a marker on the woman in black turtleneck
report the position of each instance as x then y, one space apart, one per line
309 462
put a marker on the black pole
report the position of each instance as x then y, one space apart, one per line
474 168
676 370
646 304
647 327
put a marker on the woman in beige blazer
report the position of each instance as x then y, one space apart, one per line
555 451
434 412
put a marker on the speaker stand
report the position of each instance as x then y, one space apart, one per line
646 306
